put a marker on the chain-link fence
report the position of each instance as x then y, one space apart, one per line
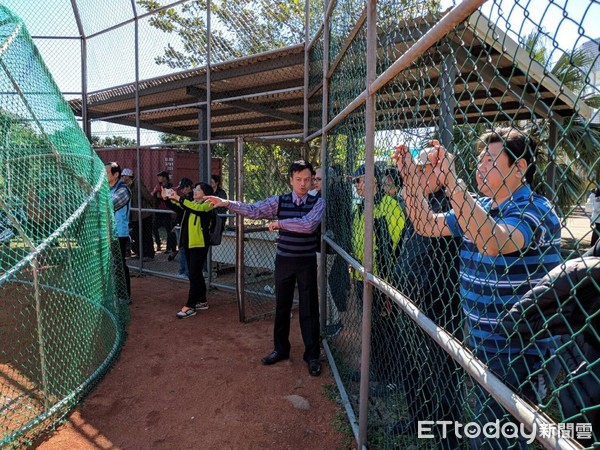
62 291
154 228
400 300
454 324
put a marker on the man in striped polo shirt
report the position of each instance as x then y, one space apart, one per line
298 216
511 239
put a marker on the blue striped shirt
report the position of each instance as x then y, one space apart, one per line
267 209
490 285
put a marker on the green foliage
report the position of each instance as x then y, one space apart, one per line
167 138
265 168
112 141
576 154
238 28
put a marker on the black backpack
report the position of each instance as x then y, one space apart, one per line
215 229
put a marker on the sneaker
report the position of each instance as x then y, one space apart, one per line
187 313
202 305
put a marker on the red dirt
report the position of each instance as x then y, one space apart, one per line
198 383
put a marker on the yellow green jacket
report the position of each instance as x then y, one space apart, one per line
195 222
387 209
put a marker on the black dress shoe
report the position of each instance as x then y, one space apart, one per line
314 367
273 357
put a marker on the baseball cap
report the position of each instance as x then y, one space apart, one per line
361 171
183 183
163 173
127 172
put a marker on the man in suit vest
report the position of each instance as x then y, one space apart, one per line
297 216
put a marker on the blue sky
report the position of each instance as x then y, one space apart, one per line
108 54
111 56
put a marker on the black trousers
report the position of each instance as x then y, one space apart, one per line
147 245
195 258
123 241
164 221
288 271
385 341
595 233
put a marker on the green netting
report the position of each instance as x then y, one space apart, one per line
62 295
509 64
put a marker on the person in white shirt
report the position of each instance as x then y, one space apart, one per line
592 208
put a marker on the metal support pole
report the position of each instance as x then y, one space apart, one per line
239 242
207 174
231 179
370 185
203 162
551 193
457 15
84 88
138 135
447 82
325 102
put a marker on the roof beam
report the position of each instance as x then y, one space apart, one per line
158 87
200 93
513 90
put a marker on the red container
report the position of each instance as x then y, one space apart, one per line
179 163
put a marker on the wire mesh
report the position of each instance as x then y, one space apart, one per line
500 67
265 174
64 303
512 63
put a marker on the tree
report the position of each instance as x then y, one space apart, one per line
112 141
239 27
576 153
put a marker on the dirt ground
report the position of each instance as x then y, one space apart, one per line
198 383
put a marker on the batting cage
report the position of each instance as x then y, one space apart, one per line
62 290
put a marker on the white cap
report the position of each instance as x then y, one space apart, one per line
127 172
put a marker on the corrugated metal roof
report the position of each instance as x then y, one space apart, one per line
264 94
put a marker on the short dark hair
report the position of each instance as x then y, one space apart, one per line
299 166
206 188
216 179
114 168
516 144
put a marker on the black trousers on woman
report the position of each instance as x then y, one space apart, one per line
195 258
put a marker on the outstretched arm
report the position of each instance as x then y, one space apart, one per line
264 209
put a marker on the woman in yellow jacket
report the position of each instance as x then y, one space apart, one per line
194 238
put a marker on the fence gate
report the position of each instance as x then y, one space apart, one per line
262 172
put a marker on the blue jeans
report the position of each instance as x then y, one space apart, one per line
183 267
516 374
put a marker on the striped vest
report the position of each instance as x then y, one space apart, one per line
291 244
